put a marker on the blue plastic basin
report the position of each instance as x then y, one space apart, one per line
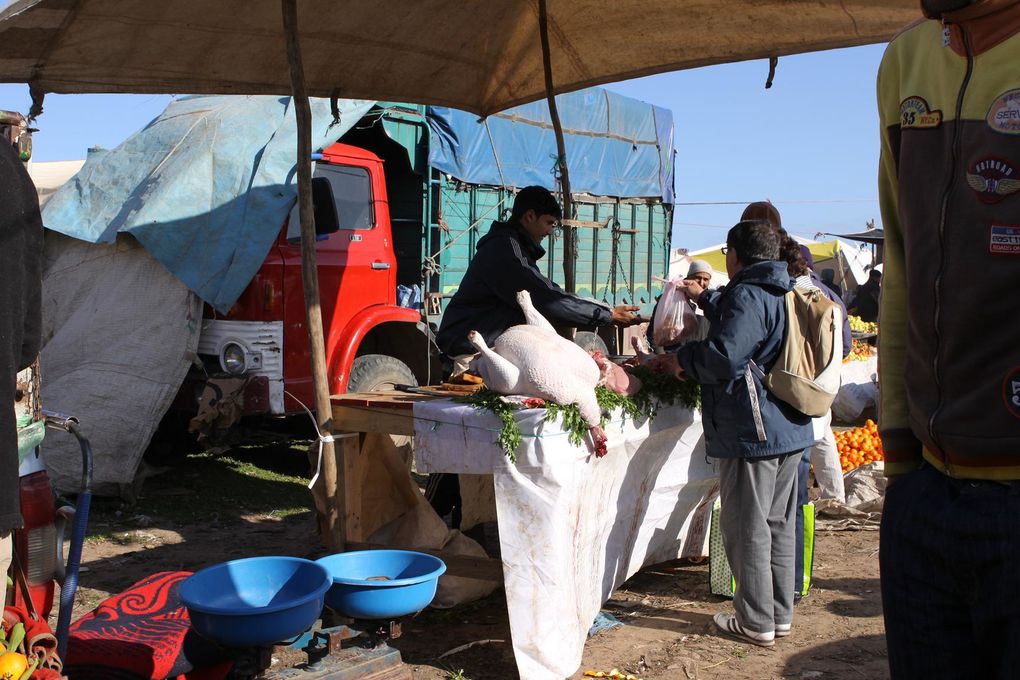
381 584
255 601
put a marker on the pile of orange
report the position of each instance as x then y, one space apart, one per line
859 446
861 351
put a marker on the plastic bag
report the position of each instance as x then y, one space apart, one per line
674 317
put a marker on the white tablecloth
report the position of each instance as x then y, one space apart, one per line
573 527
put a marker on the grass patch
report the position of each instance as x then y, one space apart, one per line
213 488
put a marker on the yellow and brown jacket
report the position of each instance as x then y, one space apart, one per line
949 185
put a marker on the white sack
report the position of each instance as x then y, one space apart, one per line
858 391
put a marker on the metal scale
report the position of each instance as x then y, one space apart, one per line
340 649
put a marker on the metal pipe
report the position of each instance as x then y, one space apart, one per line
69 586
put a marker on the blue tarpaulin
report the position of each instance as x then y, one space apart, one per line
616 146
205 187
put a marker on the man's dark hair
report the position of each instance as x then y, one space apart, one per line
753 241
538 199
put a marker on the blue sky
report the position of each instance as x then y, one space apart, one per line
809 144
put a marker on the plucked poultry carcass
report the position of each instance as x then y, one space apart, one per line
615 377
535 361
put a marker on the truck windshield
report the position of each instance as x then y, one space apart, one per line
352 191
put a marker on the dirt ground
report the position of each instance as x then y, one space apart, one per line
666 610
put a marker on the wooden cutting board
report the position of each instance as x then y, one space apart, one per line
459 388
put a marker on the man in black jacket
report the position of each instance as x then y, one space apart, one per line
865 304
486 301
504 264
20 254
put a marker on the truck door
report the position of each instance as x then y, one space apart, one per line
357 265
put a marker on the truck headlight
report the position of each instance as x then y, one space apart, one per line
232 358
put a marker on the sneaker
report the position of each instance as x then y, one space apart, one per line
727 623
782 629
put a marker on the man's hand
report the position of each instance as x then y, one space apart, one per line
623 315
693 289
666 363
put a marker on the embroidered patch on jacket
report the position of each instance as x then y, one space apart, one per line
1004 114
915 113
1005 240
993 179
1011 392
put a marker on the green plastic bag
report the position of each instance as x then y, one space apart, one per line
720 576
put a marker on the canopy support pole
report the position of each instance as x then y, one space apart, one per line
569 240
332 523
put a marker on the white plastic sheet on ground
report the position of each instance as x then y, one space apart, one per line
118 334
865 498
573 527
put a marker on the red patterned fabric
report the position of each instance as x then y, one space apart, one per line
143 634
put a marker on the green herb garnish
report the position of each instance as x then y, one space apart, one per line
657 389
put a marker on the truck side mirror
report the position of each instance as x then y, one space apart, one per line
326 220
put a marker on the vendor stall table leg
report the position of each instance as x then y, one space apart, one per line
389 413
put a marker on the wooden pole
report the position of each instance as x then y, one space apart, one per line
333 524
569 242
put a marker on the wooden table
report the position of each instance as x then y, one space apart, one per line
358 413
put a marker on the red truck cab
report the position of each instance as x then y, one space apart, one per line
370 340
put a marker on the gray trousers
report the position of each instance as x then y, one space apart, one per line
758 499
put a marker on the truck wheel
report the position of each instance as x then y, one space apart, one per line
590 342
371 372
378 372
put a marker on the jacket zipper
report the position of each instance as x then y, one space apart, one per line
954 155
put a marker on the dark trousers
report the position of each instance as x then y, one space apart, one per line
950 555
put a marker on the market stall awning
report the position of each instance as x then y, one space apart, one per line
481 57
820 250
875 236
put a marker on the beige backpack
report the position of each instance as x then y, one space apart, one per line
806 374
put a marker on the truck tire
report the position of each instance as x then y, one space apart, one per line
371 372
590 342
378 372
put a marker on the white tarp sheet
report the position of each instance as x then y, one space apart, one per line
118 334
573 527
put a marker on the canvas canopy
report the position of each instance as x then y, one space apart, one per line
873 236
820 250
481 57
849 263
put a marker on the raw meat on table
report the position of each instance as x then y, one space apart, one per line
535 361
